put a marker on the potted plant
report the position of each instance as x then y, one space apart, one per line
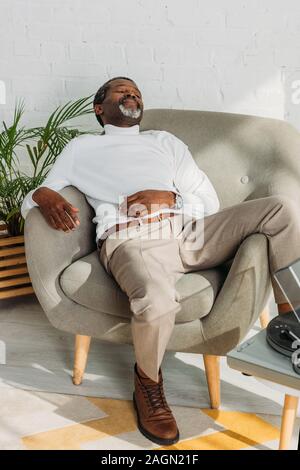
43 145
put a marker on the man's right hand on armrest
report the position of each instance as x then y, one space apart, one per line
58 212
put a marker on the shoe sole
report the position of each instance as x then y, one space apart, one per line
150 436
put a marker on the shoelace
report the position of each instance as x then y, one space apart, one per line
156 397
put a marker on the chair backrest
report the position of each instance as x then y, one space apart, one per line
245 157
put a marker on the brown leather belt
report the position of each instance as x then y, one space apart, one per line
131 223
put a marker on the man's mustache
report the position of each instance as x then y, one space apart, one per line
122 101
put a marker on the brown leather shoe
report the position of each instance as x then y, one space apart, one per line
155 419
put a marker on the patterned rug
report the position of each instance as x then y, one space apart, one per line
40 421
44 410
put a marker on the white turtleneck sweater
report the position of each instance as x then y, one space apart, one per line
124 160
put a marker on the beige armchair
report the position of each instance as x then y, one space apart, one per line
245 157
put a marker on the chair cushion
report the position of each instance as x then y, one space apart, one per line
87 283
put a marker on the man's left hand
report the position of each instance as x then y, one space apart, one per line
146 202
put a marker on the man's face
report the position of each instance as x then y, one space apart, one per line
123 104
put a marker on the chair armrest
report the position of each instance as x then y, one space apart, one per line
49 251
242 298
239 303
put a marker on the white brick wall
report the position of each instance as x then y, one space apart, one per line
226 55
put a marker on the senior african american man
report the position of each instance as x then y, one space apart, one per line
157 217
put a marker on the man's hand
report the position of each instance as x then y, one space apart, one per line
146 202
58 212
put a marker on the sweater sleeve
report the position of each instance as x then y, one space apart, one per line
198 194
59 176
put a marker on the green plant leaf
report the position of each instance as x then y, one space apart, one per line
42 144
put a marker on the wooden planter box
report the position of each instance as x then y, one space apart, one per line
14 277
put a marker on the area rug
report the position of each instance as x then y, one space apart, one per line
42 420
38 357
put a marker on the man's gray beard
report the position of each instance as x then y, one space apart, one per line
129 112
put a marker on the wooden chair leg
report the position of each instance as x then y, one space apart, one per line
82 346
287 421
212 371
265 317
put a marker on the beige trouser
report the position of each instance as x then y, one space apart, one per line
148 261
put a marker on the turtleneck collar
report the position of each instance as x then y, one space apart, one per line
110 129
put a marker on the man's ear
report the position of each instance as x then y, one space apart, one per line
98 109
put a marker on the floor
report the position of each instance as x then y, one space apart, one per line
42 420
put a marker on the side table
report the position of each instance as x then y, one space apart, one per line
255 357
